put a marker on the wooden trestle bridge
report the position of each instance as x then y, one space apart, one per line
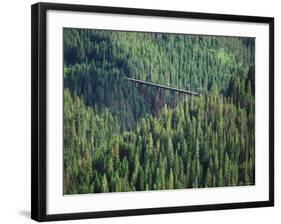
157 100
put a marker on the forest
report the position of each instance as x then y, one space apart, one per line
121 136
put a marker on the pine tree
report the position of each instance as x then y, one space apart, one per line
171 179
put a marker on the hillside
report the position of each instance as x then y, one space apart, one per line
120 136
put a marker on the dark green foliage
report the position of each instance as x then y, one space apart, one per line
115 139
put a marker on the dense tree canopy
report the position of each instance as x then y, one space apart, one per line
120 136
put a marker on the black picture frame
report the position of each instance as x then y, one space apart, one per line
38 110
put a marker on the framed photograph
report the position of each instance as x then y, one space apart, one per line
139 111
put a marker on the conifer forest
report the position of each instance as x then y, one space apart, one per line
121 135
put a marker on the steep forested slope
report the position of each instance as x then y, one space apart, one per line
115 141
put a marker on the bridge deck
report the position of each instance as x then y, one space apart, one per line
163 87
